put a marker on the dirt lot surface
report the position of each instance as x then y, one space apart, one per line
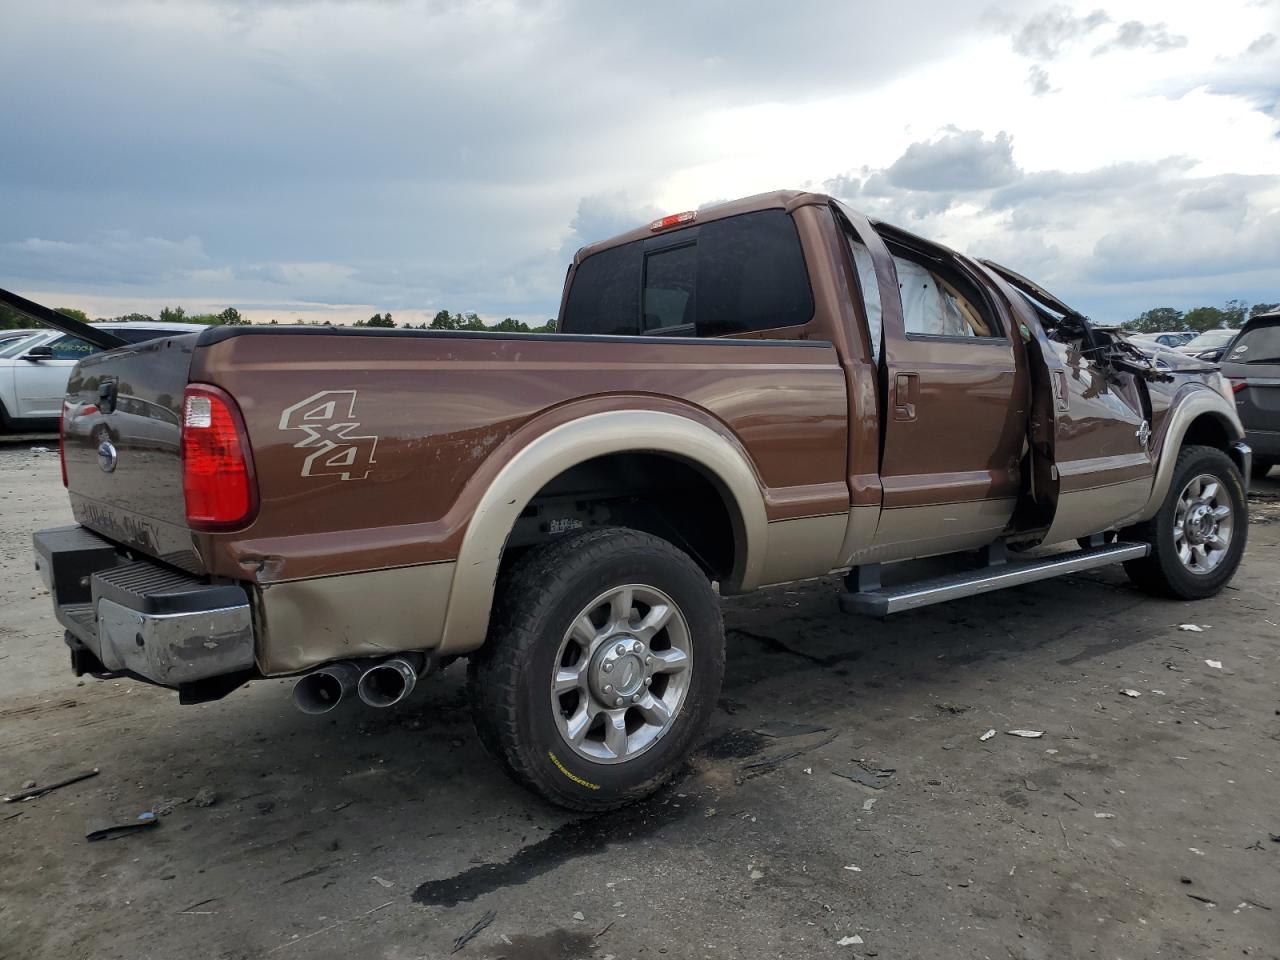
1133 827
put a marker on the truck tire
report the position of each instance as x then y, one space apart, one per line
1198 535
602 666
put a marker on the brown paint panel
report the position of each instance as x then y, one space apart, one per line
448 412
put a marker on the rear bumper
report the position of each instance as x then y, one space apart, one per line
141 618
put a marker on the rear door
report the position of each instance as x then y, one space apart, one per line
956 406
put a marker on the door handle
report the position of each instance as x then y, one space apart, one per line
906 393
1061 391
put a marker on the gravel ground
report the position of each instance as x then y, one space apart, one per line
1133 827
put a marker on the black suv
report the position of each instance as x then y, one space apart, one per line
1252 364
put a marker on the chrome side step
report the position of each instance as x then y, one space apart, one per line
882 601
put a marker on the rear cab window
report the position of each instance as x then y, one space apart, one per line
739 275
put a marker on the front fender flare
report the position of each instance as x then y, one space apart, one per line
1200 403
565 446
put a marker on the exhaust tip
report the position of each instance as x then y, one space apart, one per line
322 690
388 683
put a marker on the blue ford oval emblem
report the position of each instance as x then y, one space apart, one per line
107 456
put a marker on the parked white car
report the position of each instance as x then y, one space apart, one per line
34 371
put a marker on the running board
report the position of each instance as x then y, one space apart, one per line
886 600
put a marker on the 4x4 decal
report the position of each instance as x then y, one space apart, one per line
328 423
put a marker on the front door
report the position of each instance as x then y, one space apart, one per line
41 384
954 401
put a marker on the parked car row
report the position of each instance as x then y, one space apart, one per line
35 365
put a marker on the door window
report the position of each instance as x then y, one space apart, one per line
71 348
870 291
933 306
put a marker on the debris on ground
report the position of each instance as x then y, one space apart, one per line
1191 628
1030 734
786 728
868 804
849 941
266 806
1105 816
853 869
876 781
383 883
112 831
988 735
205 797
474 931
1128 692
579 916
30 791
954 709
1216 664
162 808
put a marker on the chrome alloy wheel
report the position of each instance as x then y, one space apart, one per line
1202 524
621 673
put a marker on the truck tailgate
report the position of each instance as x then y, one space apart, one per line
122 444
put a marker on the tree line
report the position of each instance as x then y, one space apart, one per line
443 320
1232 314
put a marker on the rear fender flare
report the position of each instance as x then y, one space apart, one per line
565 446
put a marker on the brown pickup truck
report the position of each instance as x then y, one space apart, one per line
764 391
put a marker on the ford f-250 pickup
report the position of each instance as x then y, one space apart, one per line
768 390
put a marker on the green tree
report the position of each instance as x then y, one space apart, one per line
1258 309
443 321
507 325
1155 320
470 321
134 318
173 315
73 313
1234 312
1204 318
548 327
231 317
377 320
208 319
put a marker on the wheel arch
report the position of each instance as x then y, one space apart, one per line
1203 417
549 454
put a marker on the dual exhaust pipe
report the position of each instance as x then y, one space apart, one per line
382 683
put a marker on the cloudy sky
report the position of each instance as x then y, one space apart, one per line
328 159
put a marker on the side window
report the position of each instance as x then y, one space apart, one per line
605 295
71 348
934 306
669 288
751 275
870 291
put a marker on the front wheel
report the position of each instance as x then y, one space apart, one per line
602 666
1198 535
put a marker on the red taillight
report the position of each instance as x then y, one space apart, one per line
1238 385
62 442
673 220
217 471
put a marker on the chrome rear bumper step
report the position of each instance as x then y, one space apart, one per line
886 600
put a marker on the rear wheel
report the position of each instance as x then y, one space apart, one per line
602 666
1198 536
